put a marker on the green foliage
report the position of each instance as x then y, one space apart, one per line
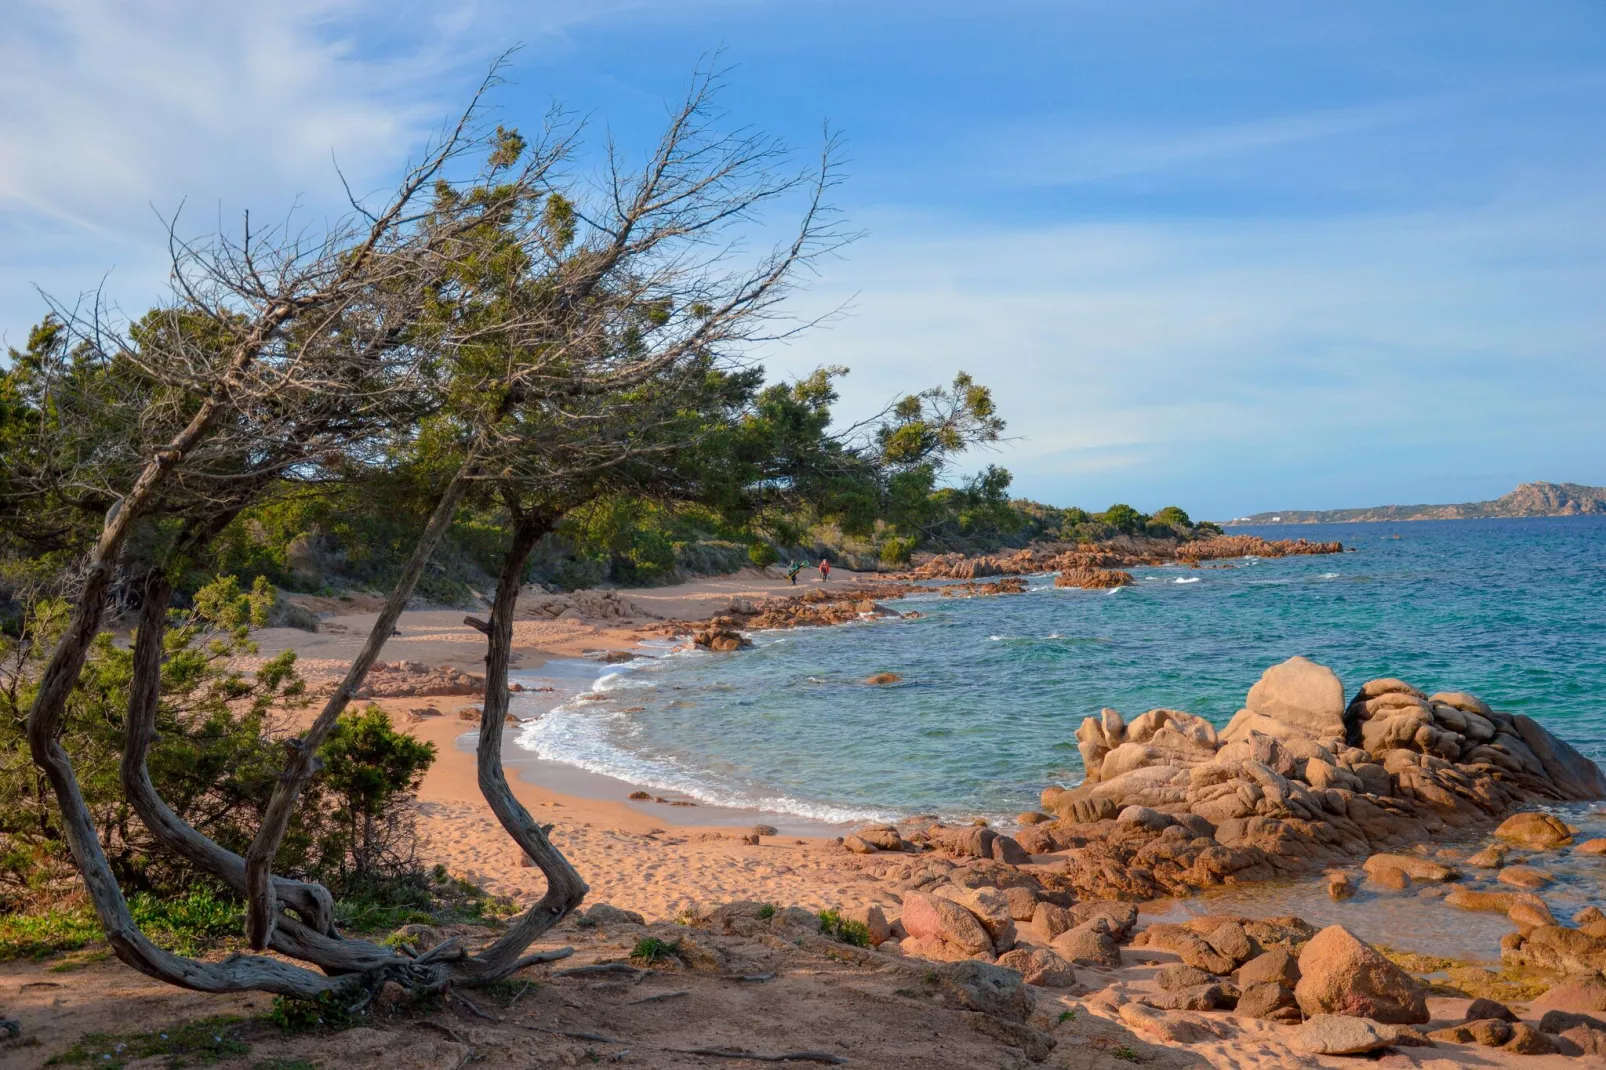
199 1043
1124 518
1067 1016
766 912
762 554
834 925
897 550
1125 1054
649 951
1173 516
329 1011
369 769
186 924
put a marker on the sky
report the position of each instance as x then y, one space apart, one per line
1234 256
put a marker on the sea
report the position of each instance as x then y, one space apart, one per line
992 689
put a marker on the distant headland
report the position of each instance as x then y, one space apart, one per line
1529 499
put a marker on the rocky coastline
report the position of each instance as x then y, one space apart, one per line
1300 781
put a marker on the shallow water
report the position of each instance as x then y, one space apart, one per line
994 688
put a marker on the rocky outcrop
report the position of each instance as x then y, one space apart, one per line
1093 579
1299 778
1122 553
1223 546
412 679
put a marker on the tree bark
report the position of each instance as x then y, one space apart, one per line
565 890
261 904
312 938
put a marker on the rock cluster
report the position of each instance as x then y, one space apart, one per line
720 635
818 607
1093 579
410 679
1222 546
1130 552
1297 778
584 605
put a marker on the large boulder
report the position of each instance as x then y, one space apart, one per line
1341 974
930 917
1535 831
1039 966
1298 694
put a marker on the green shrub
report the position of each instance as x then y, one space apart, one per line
186 924
762 554
834 925
650 950
766 912
897 550
329 1011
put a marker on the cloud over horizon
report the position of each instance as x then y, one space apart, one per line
1229 259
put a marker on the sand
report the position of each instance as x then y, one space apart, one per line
665 862
653 858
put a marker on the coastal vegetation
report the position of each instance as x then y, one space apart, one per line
499 349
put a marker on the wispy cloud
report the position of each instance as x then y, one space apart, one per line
1161 346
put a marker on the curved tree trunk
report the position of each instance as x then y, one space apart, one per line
565 890
311 939
261 903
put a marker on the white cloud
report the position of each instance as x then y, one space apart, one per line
1146 352
113 113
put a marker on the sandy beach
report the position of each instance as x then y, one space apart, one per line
651 857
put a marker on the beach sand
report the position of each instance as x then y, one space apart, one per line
654 858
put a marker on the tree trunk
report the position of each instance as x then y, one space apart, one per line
261 907
312 938
565 889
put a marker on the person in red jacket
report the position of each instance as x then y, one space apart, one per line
825 570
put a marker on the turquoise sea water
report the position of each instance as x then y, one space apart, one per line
994 688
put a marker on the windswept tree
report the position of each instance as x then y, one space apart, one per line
535 344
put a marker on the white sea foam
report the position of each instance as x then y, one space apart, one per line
1186 579
587 737
1329 575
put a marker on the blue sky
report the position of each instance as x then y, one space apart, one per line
1235 256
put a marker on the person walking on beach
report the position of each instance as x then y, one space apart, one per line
825 571
791 573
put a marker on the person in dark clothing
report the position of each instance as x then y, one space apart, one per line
791 573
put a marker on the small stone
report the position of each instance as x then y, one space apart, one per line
1233 942
765 830
391 994
1491 857
1340 1034
1177 976
1480 1009
641 795
1340 887
1526 1040
1534 830
881 679
1592 847
1270 1001
1087 946
1525 877
1278 964
857 845
1487 1032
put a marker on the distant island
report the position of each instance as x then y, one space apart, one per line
1529 499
